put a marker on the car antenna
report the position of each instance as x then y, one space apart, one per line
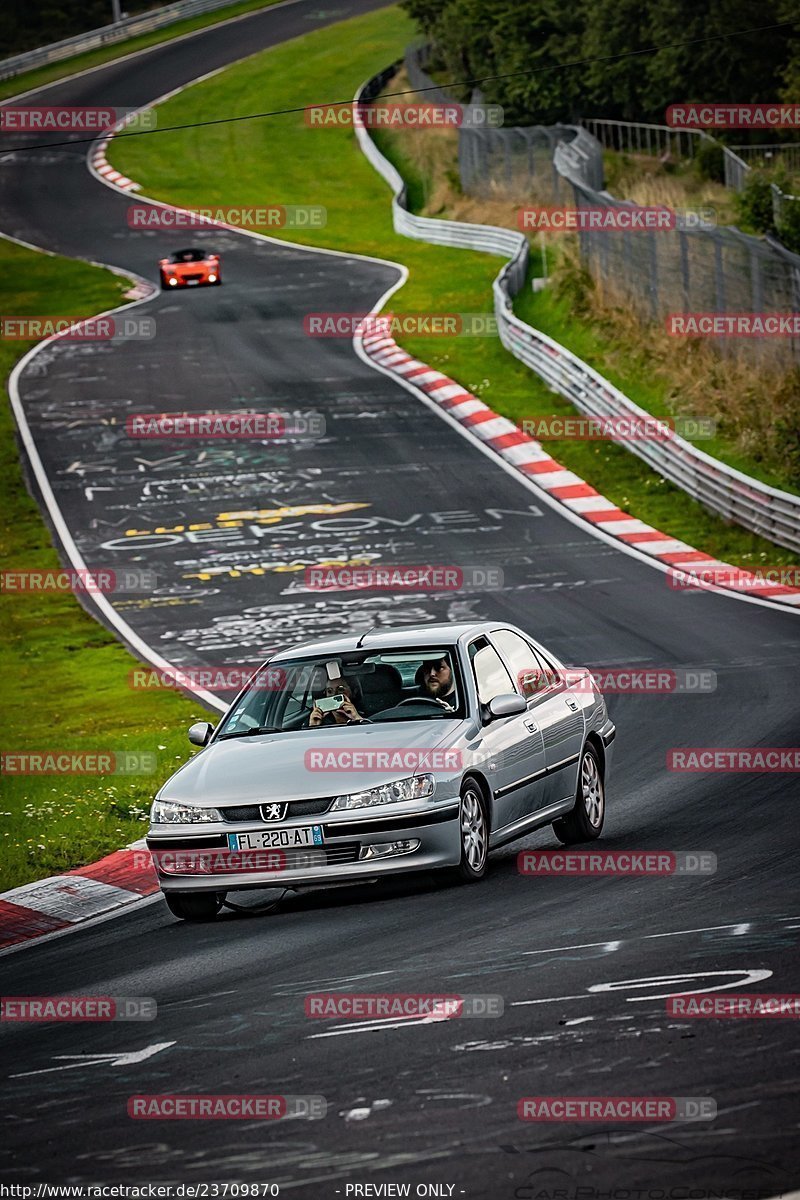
360 640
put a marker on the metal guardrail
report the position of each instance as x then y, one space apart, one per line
636 137
488 238
107 35
633 137
764 510
770 154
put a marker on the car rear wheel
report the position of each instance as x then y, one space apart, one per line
194 906
474 832
585 822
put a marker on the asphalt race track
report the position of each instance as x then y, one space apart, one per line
422 1103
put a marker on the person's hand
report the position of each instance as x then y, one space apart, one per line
349 710
316 717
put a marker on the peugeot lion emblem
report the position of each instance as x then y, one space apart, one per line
273 812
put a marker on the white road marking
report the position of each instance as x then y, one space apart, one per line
376 1025
116 1059
644 937
582 946
744 976
755 975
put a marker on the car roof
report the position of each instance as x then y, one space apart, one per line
392 638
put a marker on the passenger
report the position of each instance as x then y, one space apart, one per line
340 716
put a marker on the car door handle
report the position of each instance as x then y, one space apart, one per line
531 726
570 703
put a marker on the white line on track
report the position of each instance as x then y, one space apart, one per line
610 947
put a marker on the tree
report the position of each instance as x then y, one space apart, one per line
541 48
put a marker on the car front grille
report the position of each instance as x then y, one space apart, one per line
188 277
297 808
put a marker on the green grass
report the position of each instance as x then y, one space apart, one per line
38 77
287 162
626 365
66 678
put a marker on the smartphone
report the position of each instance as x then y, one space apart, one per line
330 703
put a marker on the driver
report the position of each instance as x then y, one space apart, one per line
340 716
437 682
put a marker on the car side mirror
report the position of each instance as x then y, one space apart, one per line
200 732
507 705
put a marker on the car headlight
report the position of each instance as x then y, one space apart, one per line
415 788
167 812
212 277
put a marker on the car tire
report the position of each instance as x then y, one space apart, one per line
163 281
194 906
473 828
585 822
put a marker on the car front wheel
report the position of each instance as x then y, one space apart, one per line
194 906
585 822
474 833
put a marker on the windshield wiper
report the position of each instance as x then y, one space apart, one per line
249 732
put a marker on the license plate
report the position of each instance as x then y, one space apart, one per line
277 839
192 282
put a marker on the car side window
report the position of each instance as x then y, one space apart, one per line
551 674
491 677
527 668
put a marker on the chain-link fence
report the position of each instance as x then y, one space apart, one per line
658 272
682 270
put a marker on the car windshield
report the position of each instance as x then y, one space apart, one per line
188 256
338 689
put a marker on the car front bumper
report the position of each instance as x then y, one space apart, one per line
187 860
182 282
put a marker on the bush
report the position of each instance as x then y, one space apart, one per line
788 226
754 203
710 161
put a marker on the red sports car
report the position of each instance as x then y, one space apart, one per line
189 268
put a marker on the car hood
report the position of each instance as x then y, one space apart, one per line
274 766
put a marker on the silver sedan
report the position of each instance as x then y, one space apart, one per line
401 750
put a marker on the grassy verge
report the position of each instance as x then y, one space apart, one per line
756 413
290 162
66 678
38 77
645 179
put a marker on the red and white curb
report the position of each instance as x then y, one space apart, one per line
60 903
528 456
103 167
